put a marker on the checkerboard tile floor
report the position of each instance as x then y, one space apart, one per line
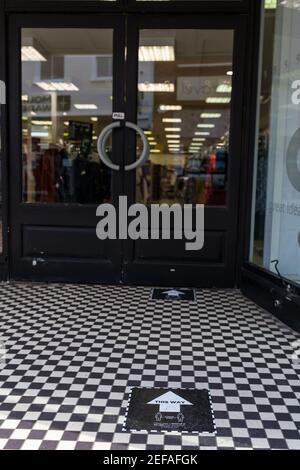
74 352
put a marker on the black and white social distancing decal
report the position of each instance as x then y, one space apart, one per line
173 294
167 410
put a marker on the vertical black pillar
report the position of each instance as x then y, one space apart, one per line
3 150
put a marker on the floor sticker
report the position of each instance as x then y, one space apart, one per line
173 294
170 410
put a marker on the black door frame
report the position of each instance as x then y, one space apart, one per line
56 215
133 6
250 9
3 153
190 273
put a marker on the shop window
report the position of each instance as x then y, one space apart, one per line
2 97
63 113
103 68
184 108
53 68
2 103
276 208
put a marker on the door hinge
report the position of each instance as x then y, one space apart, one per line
8 229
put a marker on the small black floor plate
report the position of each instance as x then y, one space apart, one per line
173 294
168 410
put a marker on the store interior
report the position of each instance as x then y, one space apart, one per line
184 108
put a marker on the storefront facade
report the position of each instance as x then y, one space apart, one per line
210 87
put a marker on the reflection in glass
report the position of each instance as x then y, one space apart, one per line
276 214
185 86
66 102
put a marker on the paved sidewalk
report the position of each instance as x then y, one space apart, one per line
74 352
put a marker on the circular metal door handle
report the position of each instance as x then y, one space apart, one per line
102 140
146 147
101 146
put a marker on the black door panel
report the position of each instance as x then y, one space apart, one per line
56 178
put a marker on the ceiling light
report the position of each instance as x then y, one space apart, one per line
151 138
24 97
156 87
224 88
41 123
31 54
85 106
156 54
154 151
217 100
173 129
147 132
94 119
57 86
206 65
174 120
206 126
210 115
171 136
166 107
230 73
198 139
39 134
173 141
153 143
202 133
272 4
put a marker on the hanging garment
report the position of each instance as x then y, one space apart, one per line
47 178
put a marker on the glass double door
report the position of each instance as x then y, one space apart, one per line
113 109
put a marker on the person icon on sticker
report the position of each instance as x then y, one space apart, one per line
158 417
180 418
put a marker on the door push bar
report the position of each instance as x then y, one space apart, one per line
102 140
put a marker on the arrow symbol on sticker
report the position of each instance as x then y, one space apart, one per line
169 402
